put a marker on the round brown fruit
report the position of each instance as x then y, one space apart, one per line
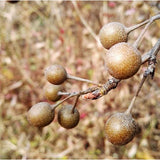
56 74
51 92
67 118
120 128
41 114
112 33
123 60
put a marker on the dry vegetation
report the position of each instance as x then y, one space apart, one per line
36 34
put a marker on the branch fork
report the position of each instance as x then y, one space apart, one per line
101 90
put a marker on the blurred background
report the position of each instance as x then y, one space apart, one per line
36 34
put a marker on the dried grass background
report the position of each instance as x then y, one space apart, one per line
34 35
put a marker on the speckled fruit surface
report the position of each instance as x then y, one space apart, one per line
112 33
120 129
66 118
41 114
122 60
56 74
51 92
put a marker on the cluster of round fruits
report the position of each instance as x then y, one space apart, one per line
42 114
122 60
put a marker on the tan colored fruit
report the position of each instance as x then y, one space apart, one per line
56 74
51 92
66 118
41 114
123 60
120 128
112 33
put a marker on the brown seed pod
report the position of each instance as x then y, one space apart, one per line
67 118
41 114
123 60
113 33
56 74
51 92
120 128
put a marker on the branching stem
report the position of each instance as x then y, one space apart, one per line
139 39
101 90
154 51
149 71
97 92
73 94
112 83
132 28
54 106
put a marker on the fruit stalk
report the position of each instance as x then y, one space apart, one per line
128 111
154 51
139 39
54 106
82 80
149 71
89 90
76 101
132 28
60 93
112 83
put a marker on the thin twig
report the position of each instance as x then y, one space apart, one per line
140 37
60 93
54 106
97 92
82 80
84 21
73 94
128 111
153 51
101 91
132 28
112 83
149 71
75 103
